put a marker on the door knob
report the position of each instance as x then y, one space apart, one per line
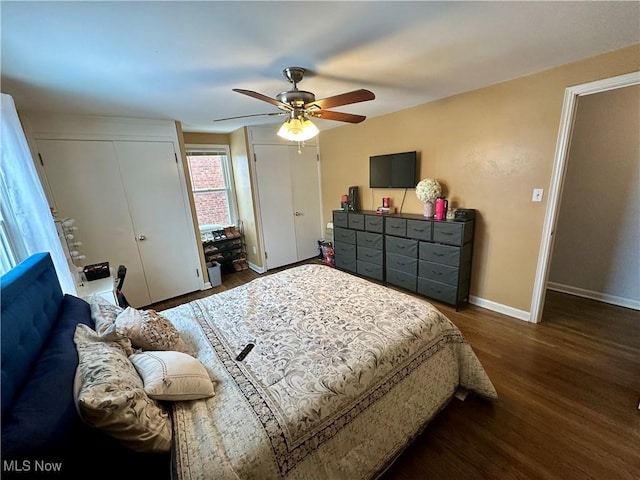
142 238
297 214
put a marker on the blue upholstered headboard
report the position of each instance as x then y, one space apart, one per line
39 361
30 300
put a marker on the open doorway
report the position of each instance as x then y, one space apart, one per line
567 122
596 250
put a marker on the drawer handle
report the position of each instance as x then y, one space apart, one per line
436 273
438 254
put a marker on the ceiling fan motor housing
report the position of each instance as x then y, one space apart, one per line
300 104
296 98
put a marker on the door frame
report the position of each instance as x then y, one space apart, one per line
563 144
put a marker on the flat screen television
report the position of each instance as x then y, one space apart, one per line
393 170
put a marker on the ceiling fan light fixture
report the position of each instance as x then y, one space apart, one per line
298 129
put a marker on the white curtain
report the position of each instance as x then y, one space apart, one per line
25 209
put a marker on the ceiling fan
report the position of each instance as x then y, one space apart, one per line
299 105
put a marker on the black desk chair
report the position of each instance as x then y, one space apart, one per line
122 300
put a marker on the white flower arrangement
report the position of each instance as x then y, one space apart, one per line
428 190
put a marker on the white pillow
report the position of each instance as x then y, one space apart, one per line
172 376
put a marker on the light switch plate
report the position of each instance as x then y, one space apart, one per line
537 195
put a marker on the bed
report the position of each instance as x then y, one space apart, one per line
342 376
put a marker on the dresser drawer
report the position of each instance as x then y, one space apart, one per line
395 226
340 219
436 253
401 279
344 235
402 264
402 246
370 240
369 255
345 256
452 233
344 250
436 290
370 270
346 264
420 229
374 223
438 272
356 221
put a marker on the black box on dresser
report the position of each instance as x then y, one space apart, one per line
422 255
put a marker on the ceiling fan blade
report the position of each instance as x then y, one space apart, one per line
338 116
264 98
348 98
253 115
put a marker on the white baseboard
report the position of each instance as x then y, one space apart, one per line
256 268
206 286
599 296
500 308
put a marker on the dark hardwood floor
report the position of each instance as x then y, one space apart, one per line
568 391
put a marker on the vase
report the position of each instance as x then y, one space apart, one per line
428 209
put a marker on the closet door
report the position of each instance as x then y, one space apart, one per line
127 199
289 197
151 178
276 205
305 188
85 184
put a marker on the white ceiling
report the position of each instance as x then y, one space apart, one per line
180 60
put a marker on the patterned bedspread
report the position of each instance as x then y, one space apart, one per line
343 375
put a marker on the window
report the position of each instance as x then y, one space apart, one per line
212 184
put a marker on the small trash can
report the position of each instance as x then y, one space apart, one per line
214 274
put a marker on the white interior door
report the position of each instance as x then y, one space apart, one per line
157 205
85 184
276 204
305 187
289 197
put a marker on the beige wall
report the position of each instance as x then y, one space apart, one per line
489 148
206 138
597 242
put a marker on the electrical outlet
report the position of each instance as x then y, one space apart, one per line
537 195
255 250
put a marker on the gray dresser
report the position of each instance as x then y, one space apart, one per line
358 243
426 256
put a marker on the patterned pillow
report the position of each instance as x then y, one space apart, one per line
173 376
110 396
149 330
103 313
